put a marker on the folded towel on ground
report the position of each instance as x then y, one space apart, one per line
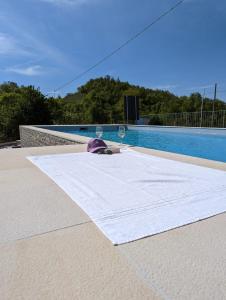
132 195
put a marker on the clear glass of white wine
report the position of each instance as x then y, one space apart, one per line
99 132
121 133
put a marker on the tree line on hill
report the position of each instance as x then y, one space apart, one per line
98 101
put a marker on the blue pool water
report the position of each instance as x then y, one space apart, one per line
204 143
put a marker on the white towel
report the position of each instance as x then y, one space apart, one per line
132 195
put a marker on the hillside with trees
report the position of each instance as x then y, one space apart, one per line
98 101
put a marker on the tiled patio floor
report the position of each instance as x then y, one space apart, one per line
50 249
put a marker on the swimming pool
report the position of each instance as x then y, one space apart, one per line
203 143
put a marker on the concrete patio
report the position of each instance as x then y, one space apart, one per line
50 249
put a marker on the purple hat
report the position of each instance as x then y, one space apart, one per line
96 144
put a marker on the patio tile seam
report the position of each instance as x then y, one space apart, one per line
44 233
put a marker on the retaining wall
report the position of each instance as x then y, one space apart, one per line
35 137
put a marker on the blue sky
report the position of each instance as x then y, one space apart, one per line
47 42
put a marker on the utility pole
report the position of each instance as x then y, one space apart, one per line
214 99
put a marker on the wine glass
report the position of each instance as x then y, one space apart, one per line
99 131
121 133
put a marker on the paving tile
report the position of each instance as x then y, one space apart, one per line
16 158
76 263
57 149
31 203
183 158
13 158
184 263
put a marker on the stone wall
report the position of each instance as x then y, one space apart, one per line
34 138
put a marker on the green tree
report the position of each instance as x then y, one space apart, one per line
25 105
100 100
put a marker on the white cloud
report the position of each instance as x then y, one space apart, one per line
10 46
27 71
7 44
27 43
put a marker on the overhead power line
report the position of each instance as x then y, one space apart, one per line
120 47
